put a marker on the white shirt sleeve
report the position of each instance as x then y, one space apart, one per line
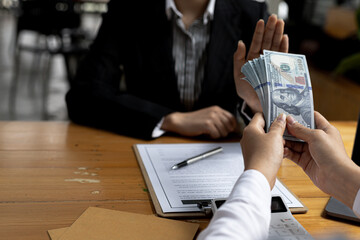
356 205
157 132
246 213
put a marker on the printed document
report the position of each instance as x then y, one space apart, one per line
213 177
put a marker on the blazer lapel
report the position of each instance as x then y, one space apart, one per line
162 64
225 33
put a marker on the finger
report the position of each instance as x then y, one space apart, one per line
239 58
269 32
297 157
284 45
321 122
279 31
292 155
303 159
298 130
227 120
221 128
278 126
215 122
257 40
258 121
212 131
295 146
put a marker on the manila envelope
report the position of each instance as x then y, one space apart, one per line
104 224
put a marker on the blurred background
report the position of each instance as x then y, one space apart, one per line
43 41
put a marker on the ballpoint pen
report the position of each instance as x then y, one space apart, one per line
197 158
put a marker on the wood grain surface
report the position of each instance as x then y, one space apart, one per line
51 172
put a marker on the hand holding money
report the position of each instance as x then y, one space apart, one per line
282 84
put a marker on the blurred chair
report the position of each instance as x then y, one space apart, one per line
57 25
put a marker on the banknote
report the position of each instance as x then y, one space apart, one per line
282 83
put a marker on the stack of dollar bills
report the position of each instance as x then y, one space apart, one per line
282 83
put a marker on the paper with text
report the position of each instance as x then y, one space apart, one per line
212 177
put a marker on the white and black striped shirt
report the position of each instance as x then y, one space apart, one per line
189 51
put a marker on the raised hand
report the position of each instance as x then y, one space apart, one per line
270 37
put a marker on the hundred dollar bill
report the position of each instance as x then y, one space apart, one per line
282 83
290 90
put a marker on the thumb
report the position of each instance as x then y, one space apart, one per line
278 126
239 58
321 122
298 130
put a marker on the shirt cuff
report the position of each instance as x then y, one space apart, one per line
157 132
246 113
356 205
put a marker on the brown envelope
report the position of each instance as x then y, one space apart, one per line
104 224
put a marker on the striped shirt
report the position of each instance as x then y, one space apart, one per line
189 52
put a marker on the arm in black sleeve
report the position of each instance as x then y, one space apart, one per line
95 99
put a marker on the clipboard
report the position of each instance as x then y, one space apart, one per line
196 214
154 198
295 210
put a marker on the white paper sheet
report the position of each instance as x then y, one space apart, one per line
210 178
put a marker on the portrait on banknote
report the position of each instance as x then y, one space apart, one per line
282 83
290 89
293 102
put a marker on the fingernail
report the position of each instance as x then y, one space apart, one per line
281 117
290 120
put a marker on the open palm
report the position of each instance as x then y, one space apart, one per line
270 37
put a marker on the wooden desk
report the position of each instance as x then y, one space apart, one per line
43 164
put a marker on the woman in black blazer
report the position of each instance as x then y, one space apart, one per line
134 43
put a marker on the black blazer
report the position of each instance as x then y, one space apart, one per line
135 41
